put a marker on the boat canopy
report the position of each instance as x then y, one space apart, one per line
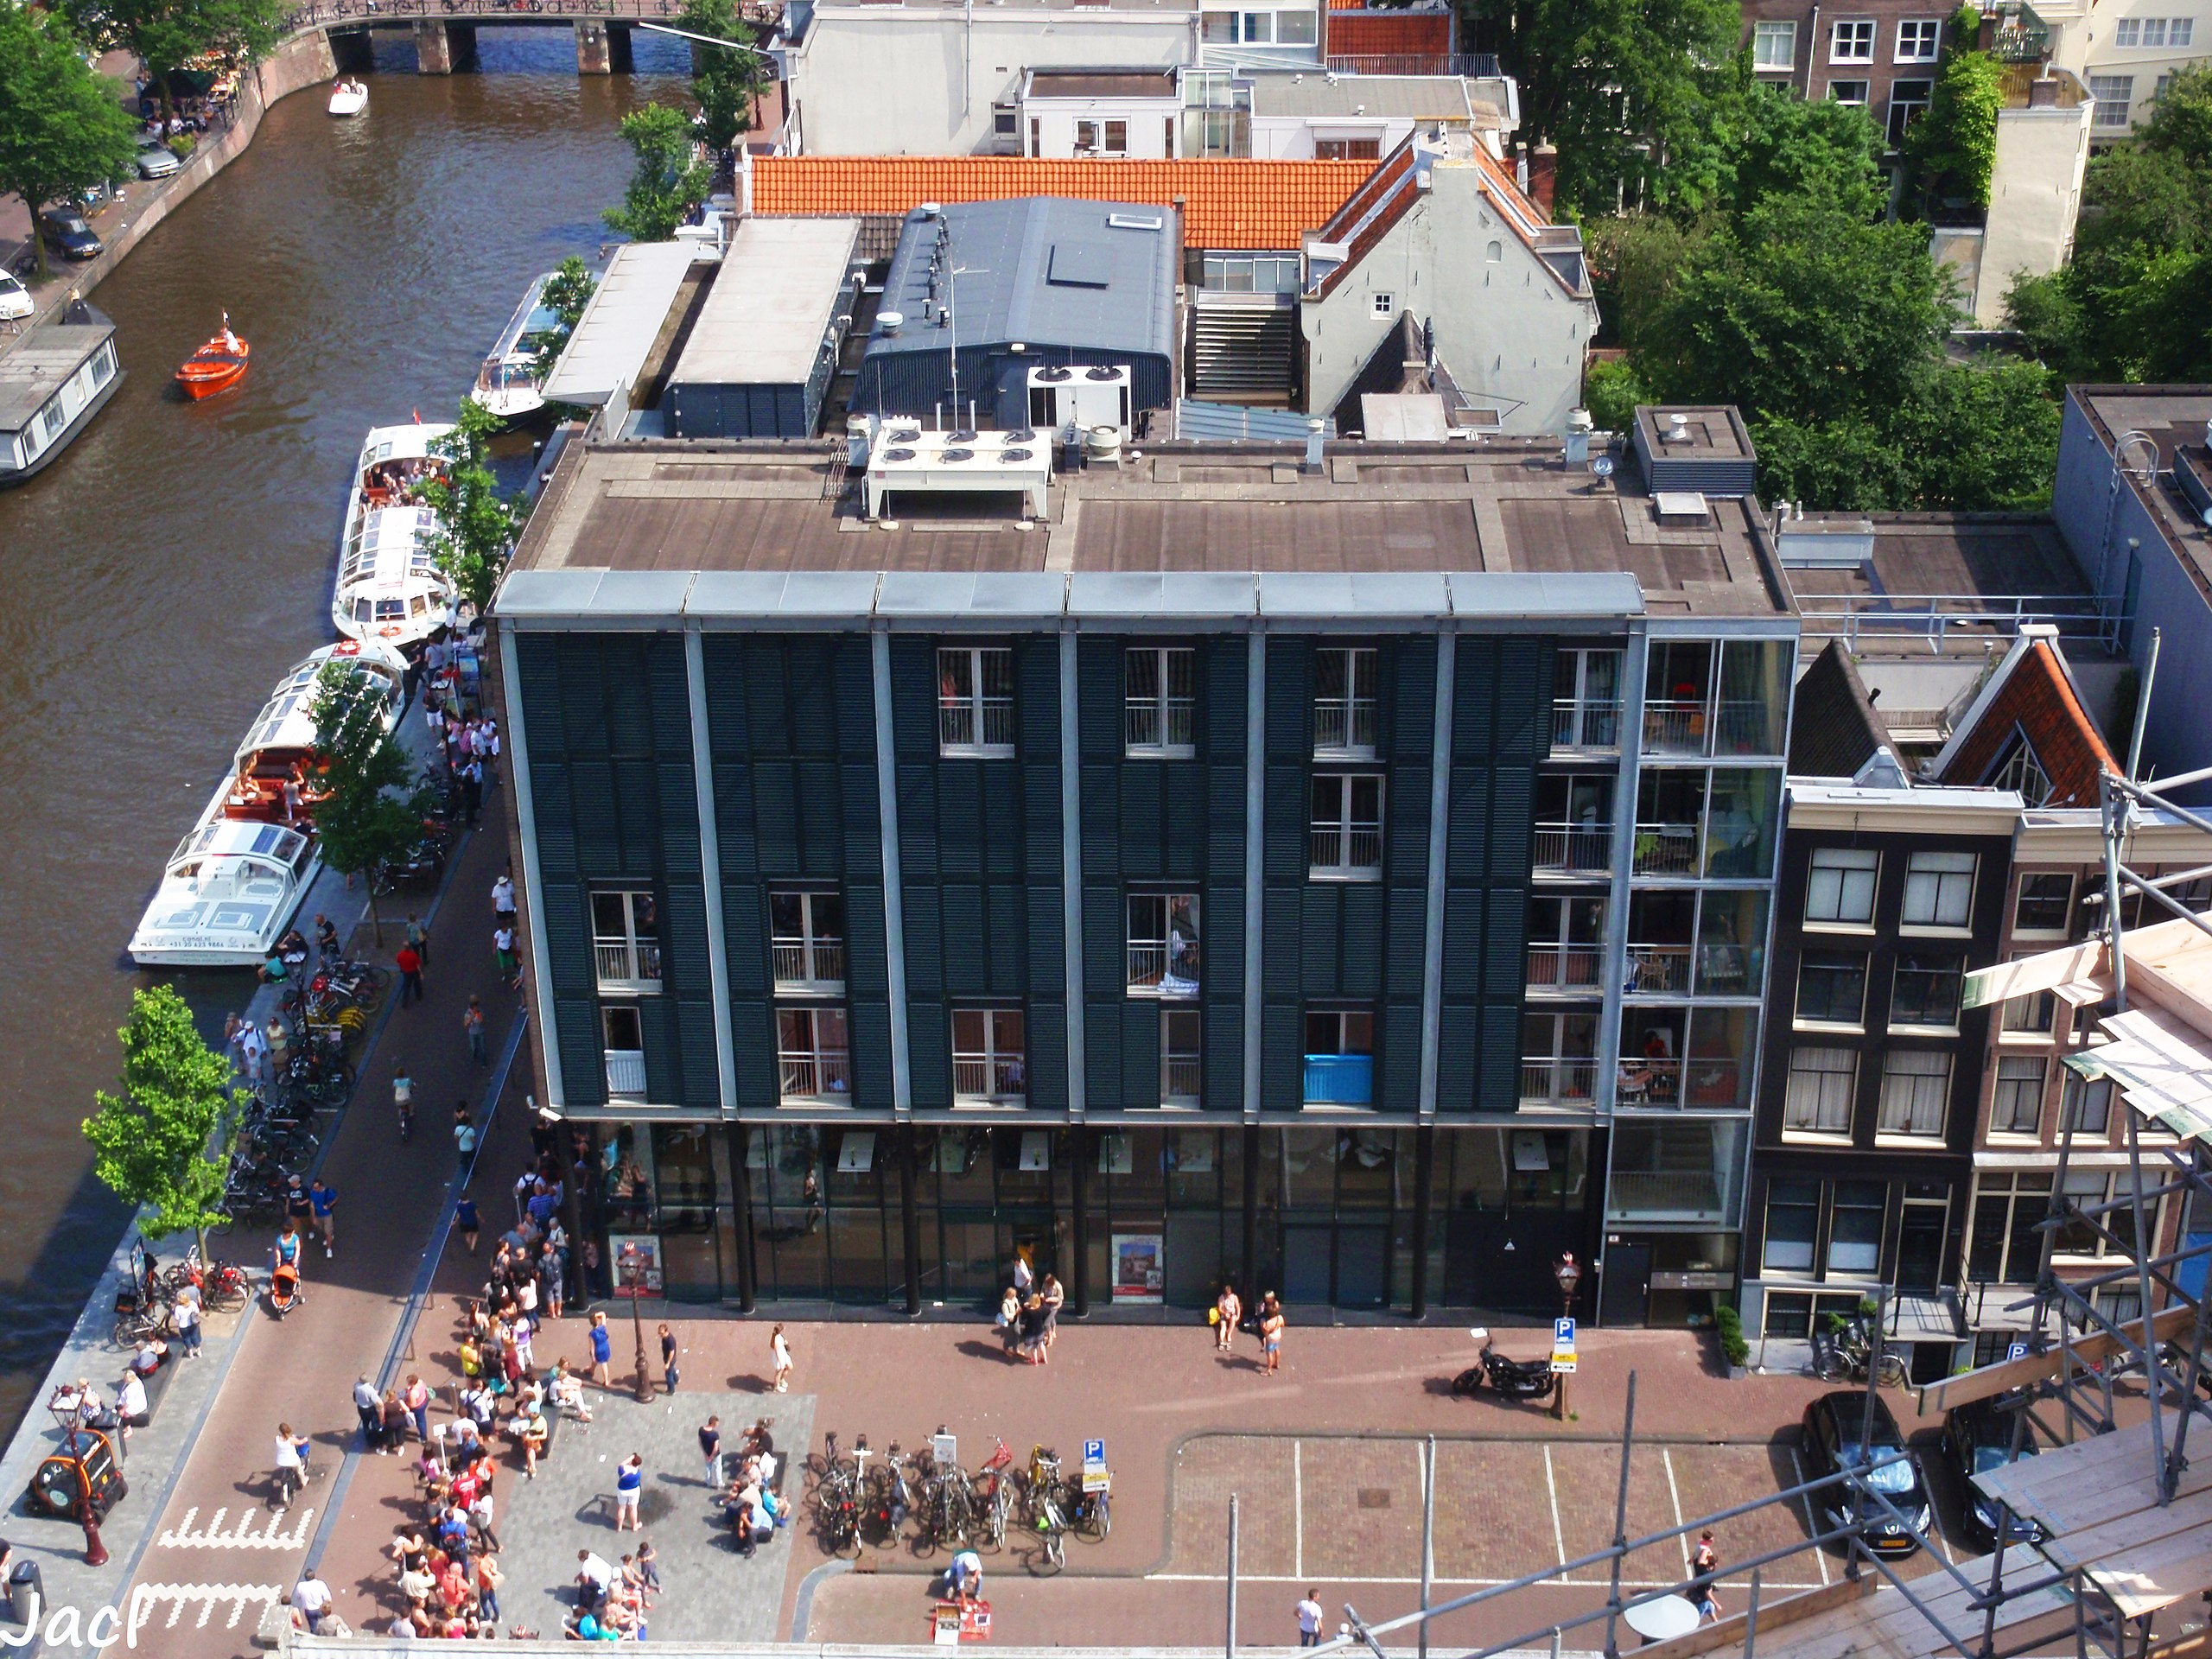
221 837
287 720
399 444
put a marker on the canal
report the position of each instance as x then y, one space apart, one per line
156 581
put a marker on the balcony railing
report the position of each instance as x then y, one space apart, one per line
1566 967
1162 723
1178 1082
624 966
1343 725
1150 972
1658 968
998 1078
1339 1079
1685 1193
957 723
1356 851
816 1074
1471 65
625 1073
812 965
1586 725
1549 1077
1711 1080
1573 848
1666 849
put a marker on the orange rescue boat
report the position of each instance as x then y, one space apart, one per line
216 366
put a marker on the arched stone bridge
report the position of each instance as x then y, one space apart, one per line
445 30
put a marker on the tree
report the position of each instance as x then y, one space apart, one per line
1953 145
63 128
1790 146
476 524
669 183
724 80
163 1144
565 296
370 815
167 35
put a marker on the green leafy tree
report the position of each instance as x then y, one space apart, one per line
1953 145
724 81
165 35
476 524
63 128
371 814
163 1143
1634 261
670 180
1790 146
565 296
1610 391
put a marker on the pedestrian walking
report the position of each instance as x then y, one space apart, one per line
325 938
311 1598
472 1022
780 1358
322 1199
1054 1298
629 1483
503 896
503 944
253 1053
465 1219
234 1042
488 1580
471 789
710 1447
403 1098
464 1142
186 1320
1271 1324
1227 1311
487 750
1705 1563
370 1404
1310 1616
285 1253
602 1349
417 1401
299 1208
409 962
668 1357
419 937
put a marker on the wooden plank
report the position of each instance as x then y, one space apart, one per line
2063 1510
2009 1374
2099 1464
2078 1546
1776 1614
2156 1575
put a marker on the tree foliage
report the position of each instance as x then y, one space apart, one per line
371 814
1953 145
63 128
669 181
163 1143
476 524
724 82
565 296
165 35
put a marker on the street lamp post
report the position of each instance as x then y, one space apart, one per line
634 1276
1568 1273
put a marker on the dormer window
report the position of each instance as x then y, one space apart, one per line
2020 770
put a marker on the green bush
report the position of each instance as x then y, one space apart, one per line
1730 1323
1610 391
182 144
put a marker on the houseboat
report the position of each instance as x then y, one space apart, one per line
508 384
389 590
53 381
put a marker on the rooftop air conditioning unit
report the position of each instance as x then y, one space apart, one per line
1067 399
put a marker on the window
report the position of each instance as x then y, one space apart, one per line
1939 890
1917 38
1386 305
1002 120
626 940
1831 987
2128 32
622 1031
1344 701
1266 273
2016 1108
806 940
1852 42
2153 32
2112 94
987 1056
1179 1056
1793 1222
1840 887
1295 29
814 1053
1036 140
1773 45
1557 1052
1347 150
1347 841
1589 717
1855 1227
975 699
2179 31
1159 692
1164 944
1101 137
1914 1083
1857 93
2077 1235
2089 1104
1821 1082
2020 770
1340 1057
1924 990
1567 944
2034 1015
1909 101
2045 905
2003 1244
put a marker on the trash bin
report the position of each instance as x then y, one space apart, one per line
26 1596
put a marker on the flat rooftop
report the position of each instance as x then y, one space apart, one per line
1420 97
1504 507
1705 433
45 357
773 301
1102 83
2174 418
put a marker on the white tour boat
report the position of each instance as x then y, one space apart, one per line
233 883
389 591
349 97
508 384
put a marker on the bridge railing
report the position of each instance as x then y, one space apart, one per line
325 14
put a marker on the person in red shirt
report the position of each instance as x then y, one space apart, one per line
410 974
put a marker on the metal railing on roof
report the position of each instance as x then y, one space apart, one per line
1886 618
1469 66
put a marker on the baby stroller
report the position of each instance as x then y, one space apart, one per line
284 1293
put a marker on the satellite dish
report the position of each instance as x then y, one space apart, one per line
1603 466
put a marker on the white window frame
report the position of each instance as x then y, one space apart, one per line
2128 33
1160 722
814 1055
1766 35
627 961
810 961
1839 883
626 1067
2021 770
1385 304
993 1071
1347 715
1927 36
2020 929
1939 890
1823 1081
1855 93
977 720
1153 923
2110 92
1343 844
1916 1084
2010 1093
2073 1102
1860 33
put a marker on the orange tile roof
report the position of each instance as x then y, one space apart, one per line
1226 204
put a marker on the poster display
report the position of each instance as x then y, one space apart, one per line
642 1252
1139 1271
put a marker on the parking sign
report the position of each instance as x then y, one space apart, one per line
2016 1351
1563 1344
1094 1451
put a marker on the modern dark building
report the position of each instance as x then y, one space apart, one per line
1352 879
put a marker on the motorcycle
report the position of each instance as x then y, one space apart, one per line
1515 1379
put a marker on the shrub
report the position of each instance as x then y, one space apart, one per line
1730 1323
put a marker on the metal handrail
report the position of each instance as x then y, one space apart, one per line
323 14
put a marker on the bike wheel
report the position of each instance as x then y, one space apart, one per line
1056 1548
1893 1372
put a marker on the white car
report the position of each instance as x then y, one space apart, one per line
15 299
156 159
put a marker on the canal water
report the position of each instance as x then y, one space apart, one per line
156 581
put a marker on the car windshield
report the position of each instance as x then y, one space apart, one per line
1890 1478
1986 1458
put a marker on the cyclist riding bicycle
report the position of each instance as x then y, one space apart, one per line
403 1098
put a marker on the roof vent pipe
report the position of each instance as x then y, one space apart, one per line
891 322
1313 431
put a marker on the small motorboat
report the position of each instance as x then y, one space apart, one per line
349 98
216 366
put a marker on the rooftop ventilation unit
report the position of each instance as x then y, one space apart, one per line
1066 400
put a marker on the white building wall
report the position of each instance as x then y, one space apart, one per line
1292 138
2107 43
2035 196
1051 126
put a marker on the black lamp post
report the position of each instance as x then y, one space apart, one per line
1567 1272
632 1267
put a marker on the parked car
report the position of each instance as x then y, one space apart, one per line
68 235
156 159
1978 1438
1833 1425
15 299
